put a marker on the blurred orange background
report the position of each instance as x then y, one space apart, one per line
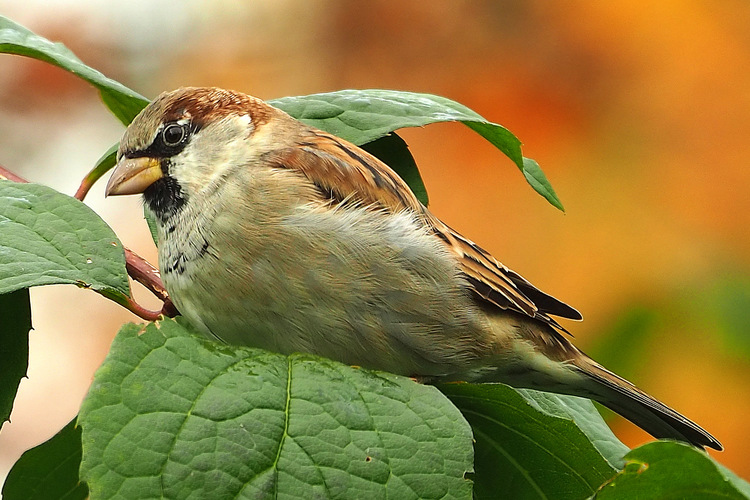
636 112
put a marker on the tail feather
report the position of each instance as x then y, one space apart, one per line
535 355
648 413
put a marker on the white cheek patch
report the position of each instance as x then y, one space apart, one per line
246 120
214 150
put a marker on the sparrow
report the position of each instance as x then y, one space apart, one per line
276 235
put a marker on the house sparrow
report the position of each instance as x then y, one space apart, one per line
277 235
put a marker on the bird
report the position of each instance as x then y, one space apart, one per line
276 235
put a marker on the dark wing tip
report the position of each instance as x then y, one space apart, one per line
545 303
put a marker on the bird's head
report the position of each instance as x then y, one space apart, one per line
185 141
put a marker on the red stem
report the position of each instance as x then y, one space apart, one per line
144 273
147 275
141 311
83 190
10 176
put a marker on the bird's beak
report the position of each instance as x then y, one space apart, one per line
133 176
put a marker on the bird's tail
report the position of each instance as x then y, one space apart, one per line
537 356
651 415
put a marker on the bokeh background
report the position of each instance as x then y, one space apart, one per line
637 112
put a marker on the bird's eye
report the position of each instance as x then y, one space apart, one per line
173 134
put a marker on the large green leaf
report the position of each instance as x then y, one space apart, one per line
15 39
533 445
671 470
172 415
49 471
361 116
15 323
48 238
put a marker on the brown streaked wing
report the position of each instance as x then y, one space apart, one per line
343 171
497 284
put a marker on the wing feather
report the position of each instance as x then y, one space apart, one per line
344 172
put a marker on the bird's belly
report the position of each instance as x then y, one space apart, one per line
377 293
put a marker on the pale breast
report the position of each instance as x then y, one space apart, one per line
356 285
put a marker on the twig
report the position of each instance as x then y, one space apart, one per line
10 176
140 311
83 190
147 275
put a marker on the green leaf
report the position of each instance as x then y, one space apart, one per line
362 116
152 224
106 162
15 39
525 448
394 152
50 470
48 238
536 179
585 416
15 323
665 469
172 415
